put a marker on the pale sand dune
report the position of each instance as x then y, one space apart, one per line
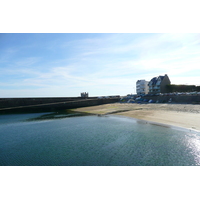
181 115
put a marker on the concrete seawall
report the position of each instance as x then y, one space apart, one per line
13 105
191 99
13 102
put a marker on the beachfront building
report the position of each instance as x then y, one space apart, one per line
158 84
142 87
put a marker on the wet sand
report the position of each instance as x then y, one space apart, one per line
181 115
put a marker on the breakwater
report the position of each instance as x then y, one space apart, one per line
12 105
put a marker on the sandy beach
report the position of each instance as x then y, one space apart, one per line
180 115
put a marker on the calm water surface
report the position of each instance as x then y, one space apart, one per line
56 139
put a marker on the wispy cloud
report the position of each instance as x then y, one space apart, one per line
26 62
101 63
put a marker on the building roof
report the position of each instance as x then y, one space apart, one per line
154 80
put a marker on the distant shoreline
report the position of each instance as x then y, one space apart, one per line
179 115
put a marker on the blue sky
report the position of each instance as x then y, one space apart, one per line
67 64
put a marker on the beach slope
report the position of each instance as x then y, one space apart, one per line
181 115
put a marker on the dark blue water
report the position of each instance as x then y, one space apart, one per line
56 140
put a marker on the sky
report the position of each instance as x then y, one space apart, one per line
102 64
64 65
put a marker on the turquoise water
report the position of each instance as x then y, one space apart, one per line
60 140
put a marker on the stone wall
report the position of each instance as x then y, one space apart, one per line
176 99
13 105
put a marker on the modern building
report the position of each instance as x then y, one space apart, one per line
158 84
142 87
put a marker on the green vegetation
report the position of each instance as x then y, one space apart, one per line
182 88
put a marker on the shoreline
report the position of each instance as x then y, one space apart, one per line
178 115
164 125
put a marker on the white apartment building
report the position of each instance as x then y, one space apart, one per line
142 87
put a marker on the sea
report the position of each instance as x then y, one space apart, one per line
74 139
